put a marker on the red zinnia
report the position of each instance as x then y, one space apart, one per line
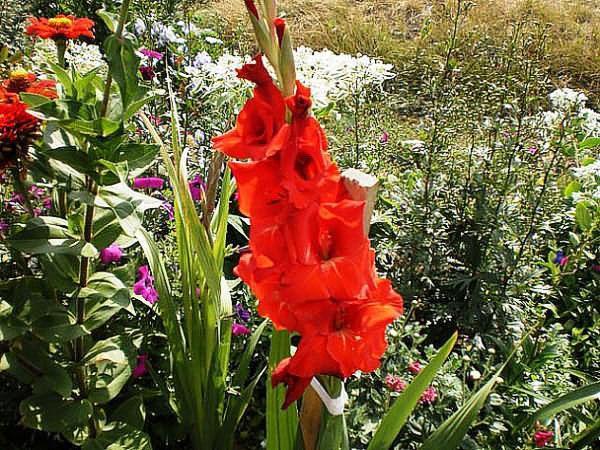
18 129
60 27
23 81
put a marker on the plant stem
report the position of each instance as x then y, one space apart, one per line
61 48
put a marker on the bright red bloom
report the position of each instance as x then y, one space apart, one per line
23 81
18 129
259 121
295 385
60 27
279 24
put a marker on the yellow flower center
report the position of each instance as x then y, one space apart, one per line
60 22
18 74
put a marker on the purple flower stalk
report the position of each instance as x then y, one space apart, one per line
197 188
145 285
111 254
140 369
239 330
152 54
148 183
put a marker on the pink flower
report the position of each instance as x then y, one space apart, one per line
145 285
239 330
415 367
395 383
533 150
197 188
148 183
428 396
596 268
47 203
542 438
4 226
169 208
111 254
36 192
384 138
152 54
140 369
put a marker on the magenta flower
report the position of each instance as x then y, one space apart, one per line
542 438
36 192
147 72
561 259
197 188
239 330
384 138
596 268
152 54
4 226
428 396
533 150
148 183
140 369
242 313
111 254
415 367
395 383
47 203
145 285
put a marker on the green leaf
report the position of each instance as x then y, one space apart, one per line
450 434
590 142
573 186
119 436
131 411
50 412
124 65
48 235
96 127
567 401
241 374
33 100
111 20
282 425
586 437
105 295
63 78
73 157
112 361
399 413
58 325
583 217
139 157
127 205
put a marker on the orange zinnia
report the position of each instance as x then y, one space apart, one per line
60 27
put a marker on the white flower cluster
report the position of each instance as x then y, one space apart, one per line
567 99
331 77
588 171
79 55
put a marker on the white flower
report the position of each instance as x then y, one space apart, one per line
591 121
139 27
212 40
588 171
79 55
474 374
165 34
187 28
567 99
200 59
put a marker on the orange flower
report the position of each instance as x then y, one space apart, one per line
18 129
23 81
60 27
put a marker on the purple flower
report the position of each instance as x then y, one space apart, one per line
148 183
36 192
384 138
197 188
111 254
242 313
533 150
169 208
428 396
140 369
561 259
147 72
4 226
152 54
145 285
596 268
239 330
47 203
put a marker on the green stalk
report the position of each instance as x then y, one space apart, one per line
61 48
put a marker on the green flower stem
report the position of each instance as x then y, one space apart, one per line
61 48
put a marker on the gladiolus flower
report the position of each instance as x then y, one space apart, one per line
279 24
295 385
428 396
251 7
145 285
395 383
111 254
140 369
60 27
239 330
415 367
542 438
148 183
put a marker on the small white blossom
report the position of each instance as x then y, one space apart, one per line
588 171
212 40
139 27
567 99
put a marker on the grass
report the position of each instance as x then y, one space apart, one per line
396 29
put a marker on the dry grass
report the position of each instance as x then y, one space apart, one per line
392 29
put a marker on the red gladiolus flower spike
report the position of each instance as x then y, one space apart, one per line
279 29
